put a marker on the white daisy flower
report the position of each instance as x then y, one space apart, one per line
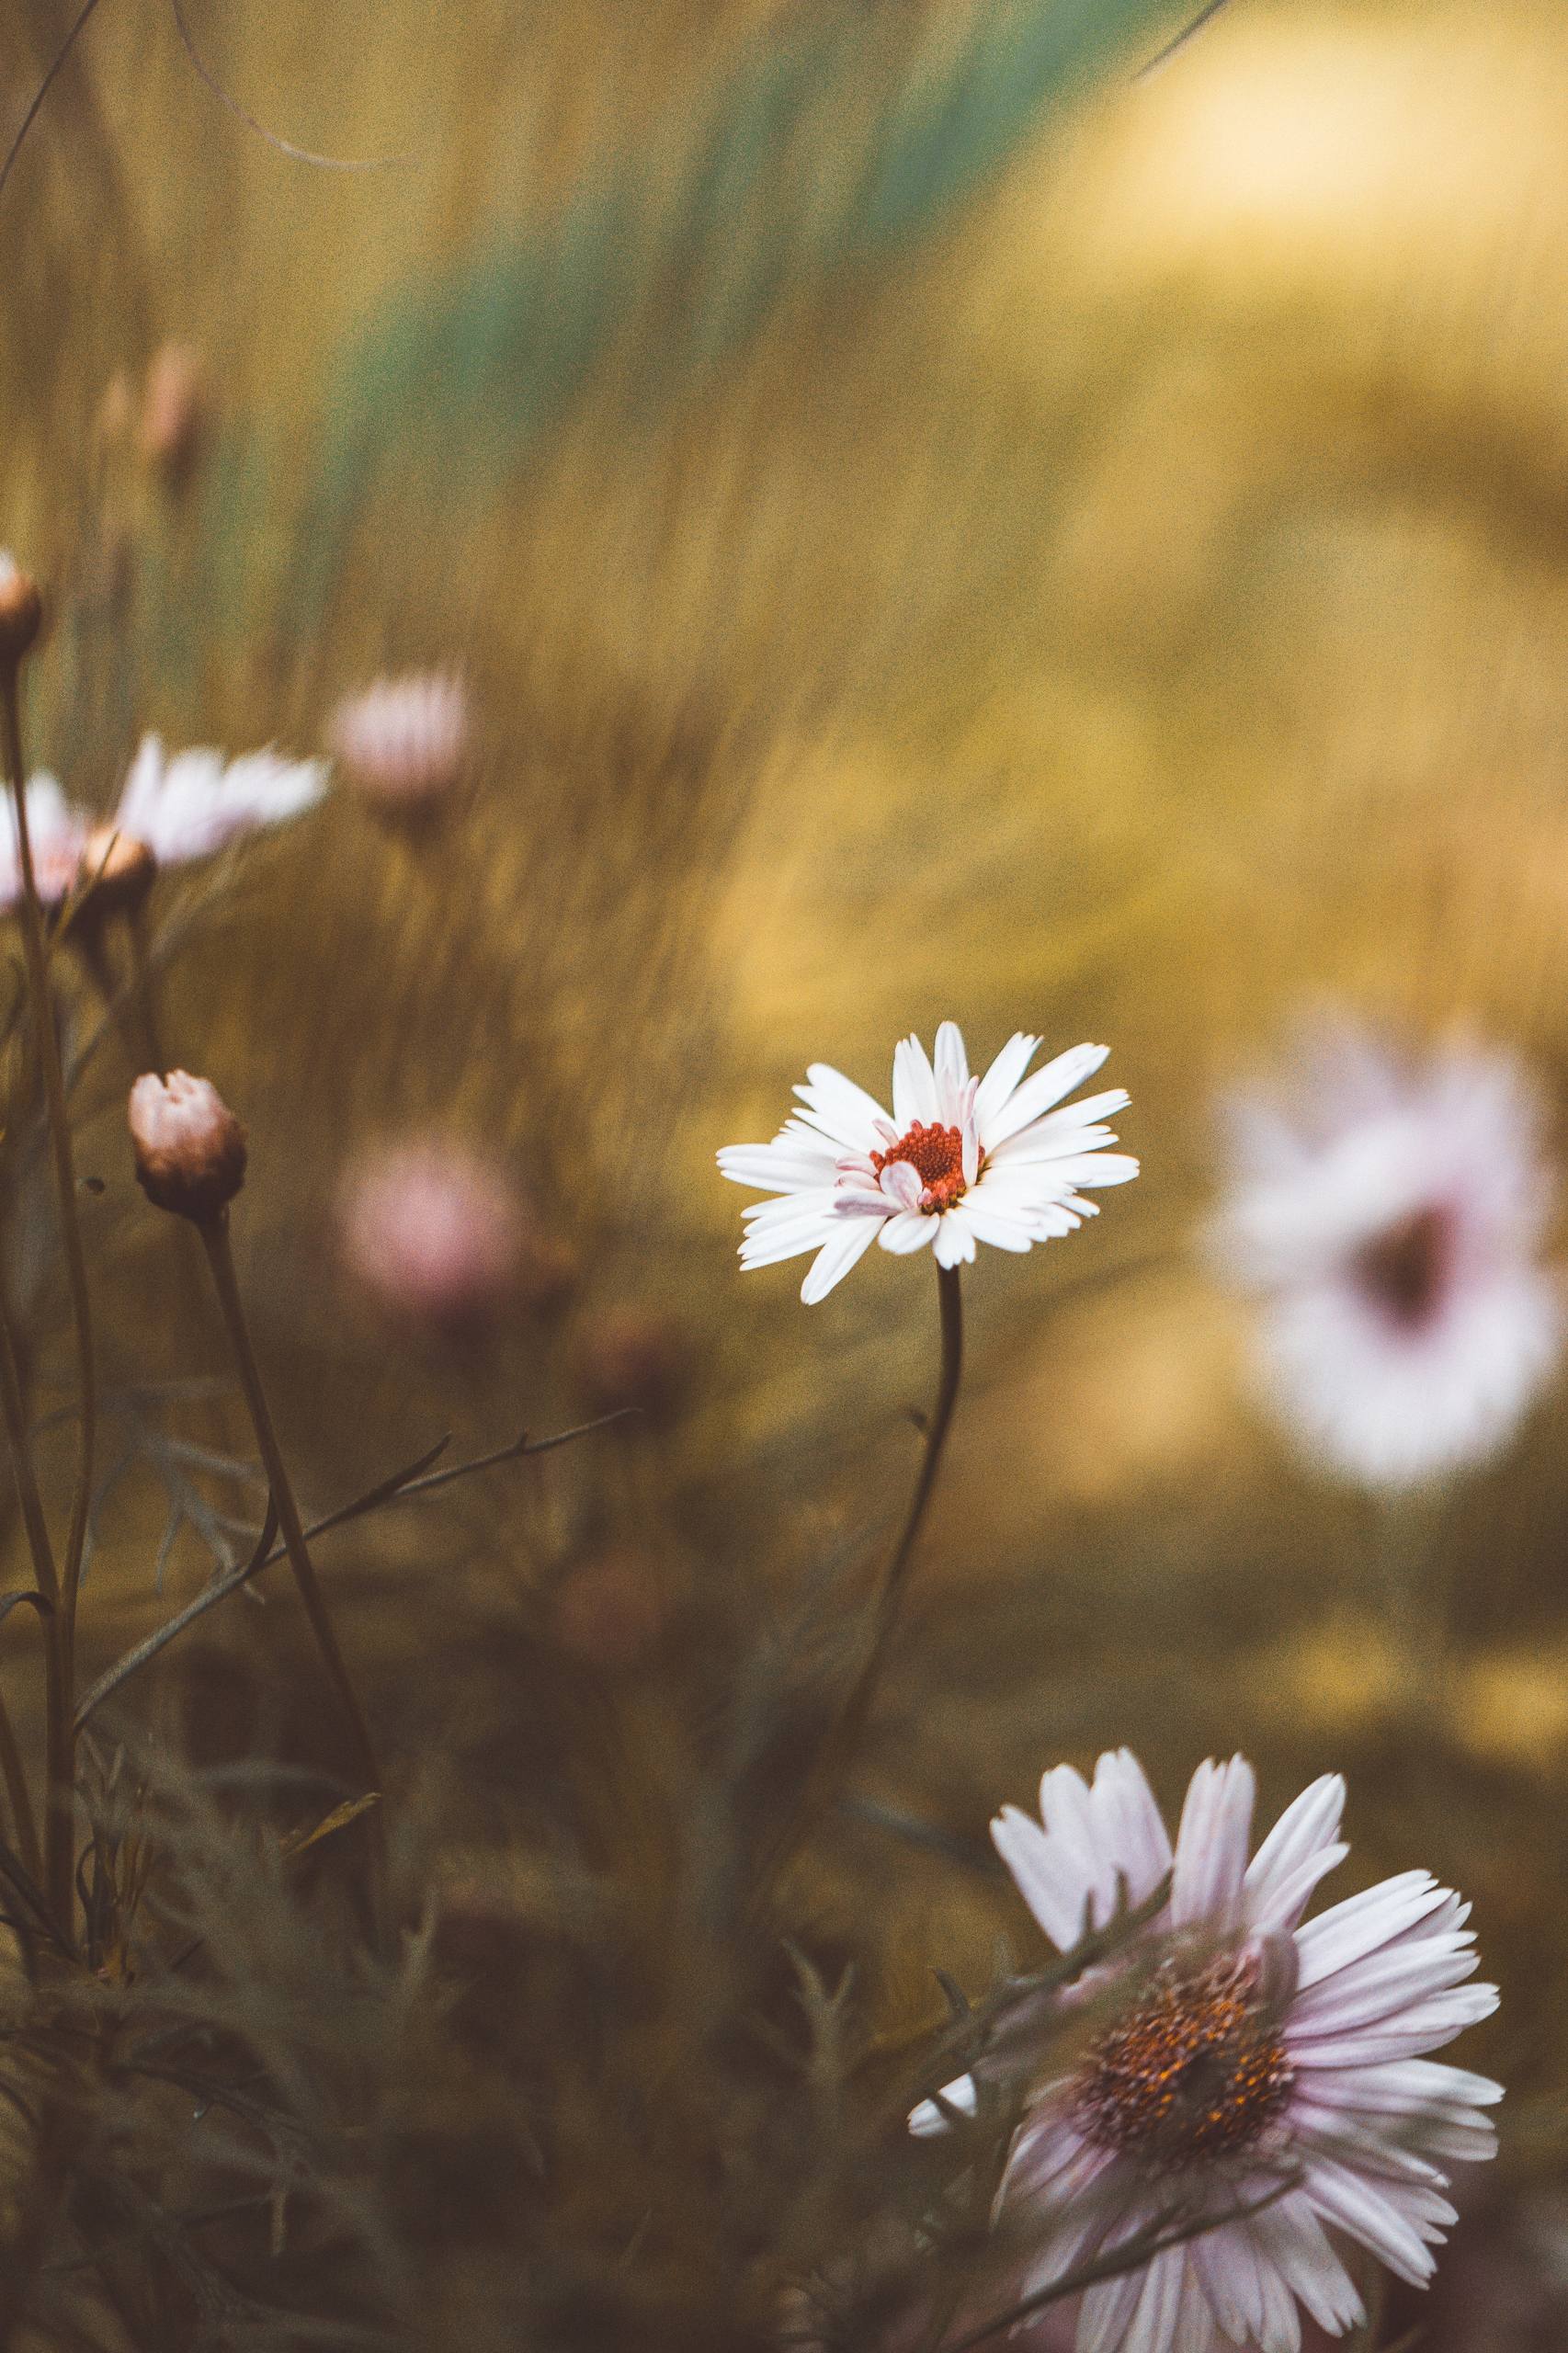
1244 2059
1391 1227
961 1160
195 803
56 834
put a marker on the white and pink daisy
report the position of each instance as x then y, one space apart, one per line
405 743
1391 1226
56 835
193 804
961 1160
1241 2066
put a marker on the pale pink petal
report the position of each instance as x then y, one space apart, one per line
1211 1843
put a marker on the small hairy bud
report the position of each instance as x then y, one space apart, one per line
21 609
190 1149
117 869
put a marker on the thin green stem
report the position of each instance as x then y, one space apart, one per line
215 1238
144 995
58 1819
20 1802
857 1708
843 1736
13 1407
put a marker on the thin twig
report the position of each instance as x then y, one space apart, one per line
60 54
266 1554
284 146
214 1232
1180 40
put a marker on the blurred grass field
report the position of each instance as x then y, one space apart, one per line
1132 607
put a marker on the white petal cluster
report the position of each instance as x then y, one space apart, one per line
1367 2123
56 835
1015 1166
192 804
1389 1223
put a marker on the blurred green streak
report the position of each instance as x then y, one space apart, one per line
491 354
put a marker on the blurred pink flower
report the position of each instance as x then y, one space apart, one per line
962 1160
404 743
1245 2061
433 1232
1391 1227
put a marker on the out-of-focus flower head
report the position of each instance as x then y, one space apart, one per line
433 1232
403 744
190 1149
961 1161
175 409
56 834
193 804
1243 2066
1391 1223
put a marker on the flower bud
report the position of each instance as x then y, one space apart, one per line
116 872
21 609
190 1149
403 746
173 423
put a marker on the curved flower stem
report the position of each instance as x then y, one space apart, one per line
858 1705
57 1735
843 1736
215 1234
57 1823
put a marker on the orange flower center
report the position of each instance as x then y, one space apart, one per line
936 1154
1192 2072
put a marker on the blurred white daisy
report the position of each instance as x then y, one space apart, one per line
56 834
1391 1226
961 1161
195 803
1239 2059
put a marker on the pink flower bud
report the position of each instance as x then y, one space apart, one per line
21 609
404 745
116 872
190 1149
434 1233
173 423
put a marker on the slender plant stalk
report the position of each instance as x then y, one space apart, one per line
63 1624
214 1233
843 1736
144 996
852 1724
12 1405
